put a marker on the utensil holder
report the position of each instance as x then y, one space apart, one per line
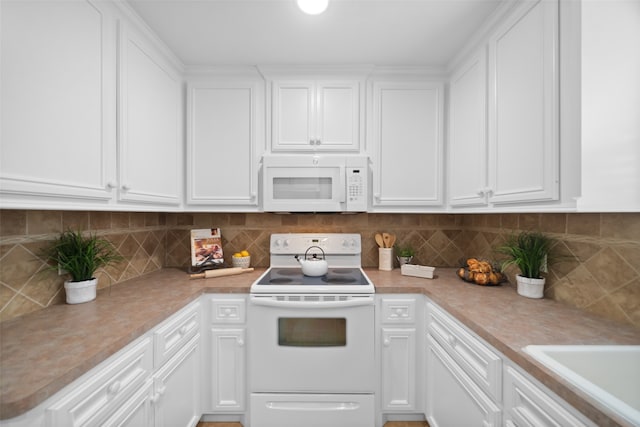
385 259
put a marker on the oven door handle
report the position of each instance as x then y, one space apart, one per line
267 302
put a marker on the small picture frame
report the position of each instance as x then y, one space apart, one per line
206 247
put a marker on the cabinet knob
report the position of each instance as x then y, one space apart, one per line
126 187
452 340
114 387
387 342
240 342
111 185
183 330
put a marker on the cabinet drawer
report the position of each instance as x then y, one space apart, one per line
398 310
477 360
228 310
526 404
175 332
105 390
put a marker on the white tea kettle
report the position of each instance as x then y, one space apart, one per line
313 266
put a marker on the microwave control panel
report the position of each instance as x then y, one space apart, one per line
356 189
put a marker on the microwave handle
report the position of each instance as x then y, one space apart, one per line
343 185
268 302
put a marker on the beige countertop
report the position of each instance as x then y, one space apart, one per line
42 352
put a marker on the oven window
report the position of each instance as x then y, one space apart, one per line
302 188
312 332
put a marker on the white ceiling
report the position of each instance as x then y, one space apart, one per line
276 32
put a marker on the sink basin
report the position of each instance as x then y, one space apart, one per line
608 373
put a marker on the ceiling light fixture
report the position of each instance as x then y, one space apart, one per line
313 7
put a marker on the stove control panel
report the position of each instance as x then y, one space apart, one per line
331 243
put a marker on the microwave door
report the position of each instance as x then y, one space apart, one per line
305 189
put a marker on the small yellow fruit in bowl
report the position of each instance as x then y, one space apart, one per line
241 259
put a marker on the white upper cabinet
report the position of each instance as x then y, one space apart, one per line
467 145
150 123
225 139
58 103
407 150
523 106
316 115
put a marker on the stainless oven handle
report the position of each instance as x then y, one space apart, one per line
267 302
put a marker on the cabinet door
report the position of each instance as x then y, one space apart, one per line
135 412
398 368
57 132
523 112
467 145
408 145
223 137
150 134
338 116
176 396
293 115
228 355
452 397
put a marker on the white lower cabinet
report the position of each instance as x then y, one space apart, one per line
453 399
526 404
224 366
176 398
100 395
399 353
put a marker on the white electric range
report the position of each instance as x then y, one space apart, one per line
311 339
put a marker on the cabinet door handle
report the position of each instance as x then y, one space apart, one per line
114 387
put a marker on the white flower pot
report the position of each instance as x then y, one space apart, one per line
530 288
79 292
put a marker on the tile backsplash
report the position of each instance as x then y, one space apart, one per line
599 269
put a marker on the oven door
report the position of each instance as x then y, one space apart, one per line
312 343
310 188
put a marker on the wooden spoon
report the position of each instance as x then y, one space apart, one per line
379 240
392 240
386 238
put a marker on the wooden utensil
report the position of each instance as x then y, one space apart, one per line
221 272
386 238
379 240
392 240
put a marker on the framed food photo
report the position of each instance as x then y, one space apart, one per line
206 248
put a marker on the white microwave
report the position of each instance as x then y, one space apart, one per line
314 183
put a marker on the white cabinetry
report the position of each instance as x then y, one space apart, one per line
467 147
464 376
321 115
149 123
225 139
58 102
225 366
407 151
526 404
523 106
106 389
153 382
76 77
400 365
504 115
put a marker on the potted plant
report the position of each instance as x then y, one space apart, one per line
529 251
404 254
80 256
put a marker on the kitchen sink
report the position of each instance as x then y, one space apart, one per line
608 373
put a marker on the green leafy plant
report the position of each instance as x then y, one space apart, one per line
529 251
81 255
405 251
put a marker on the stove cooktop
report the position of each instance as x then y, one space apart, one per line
291 280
